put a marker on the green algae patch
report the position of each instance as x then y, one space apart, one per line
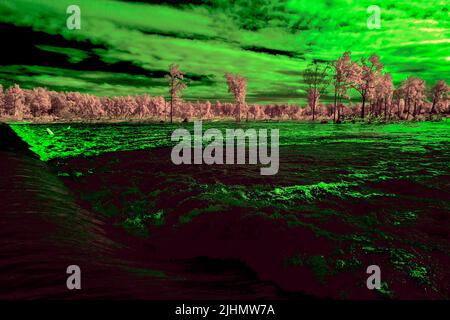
318 266
419 273
308 192
385 292
138 224
321 190
404 217
350 264
91 139
407 262
198 211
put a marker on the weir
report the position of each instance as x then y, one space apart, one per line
43 229
10 141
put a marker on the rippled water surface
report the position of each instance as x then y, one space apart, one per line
107 197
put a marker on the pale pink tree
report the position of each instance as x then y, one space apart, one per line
143 105
72 104
15 102
218 109
252 110
60 105
256 111
186 110
388 93
398 99
39 102
96 106
293 112
276 111
363 78
259 112
438 94
123 106
151 108
89 106
82 106
313 100
130 106
198 109
342 71
208 110
159 107
177 84
114 110
229 109
237 85
414 93
2 101
419 96
107 106
317 80
382 95
79 105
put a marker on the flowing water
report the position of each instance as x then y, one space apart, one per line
106 197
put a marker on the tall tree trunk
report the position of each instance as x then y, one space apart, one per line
363 106
433 106
313 110
165 111
407 108
239 112
385 109
338 108
171 109
335 103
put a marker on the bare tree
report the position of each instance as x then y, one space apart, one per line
237 85
438 93
15 102
414 90
177 84
382 95
342 69
317 79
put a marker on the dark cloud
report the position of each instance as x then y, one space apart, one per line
27 52
174 3
289 54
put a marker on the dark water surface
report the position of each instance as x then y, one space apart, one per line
109 200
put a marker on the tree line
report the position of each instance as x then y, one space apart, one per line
378 98
375 88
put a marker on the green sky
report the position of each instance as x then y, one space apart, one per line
124 47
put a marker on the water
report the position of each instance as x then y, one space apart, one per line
346 196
